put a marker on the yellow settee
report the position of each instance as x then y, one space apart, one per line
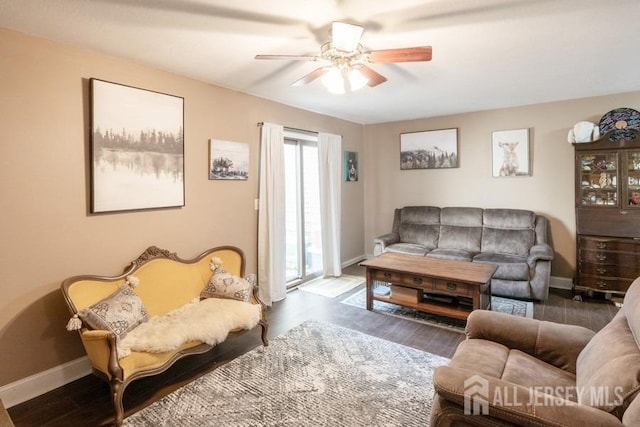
166 283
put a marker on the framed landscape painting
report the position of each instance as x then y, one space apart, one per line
137 148
431 149
228 160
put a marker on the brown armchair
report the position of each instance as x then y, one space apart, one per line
518 371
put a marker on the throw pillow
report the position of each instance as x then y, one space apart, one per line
225 285
119 313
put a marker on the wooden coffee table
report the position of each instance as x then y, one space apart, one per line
439 286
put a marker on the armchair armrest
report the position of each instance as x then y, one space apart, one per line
514 403
539 252
555 343
100 346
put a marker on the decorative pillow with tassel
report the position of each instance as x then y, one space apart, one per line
225 285
119 313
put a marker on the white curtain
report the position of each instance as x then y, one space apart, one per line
330 166
271 215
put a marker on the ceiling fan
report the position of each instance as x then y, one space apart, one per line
348 62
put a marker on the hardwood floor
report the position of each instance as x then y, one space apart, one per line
86 402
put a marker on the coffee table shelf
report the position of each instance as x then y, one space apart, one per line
414 276
456 311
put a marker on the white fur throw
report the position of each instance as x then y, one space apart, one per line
209 321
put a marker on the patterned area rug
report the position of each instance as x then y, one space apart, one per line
331 287
316 374
504 305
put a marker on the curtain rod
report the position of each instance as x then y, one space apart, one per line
294 129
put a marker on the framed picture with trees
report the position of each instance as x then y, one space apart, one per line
137 148
228 160
430 149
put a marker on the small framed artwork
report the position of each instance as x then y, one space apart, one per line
350 165
137 148
510 151
228 160
431 149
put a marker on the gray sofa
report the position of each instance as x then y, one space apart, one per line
513 239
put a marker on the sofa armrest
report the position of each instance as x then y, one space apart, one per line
540 252
514 403
381 242
99 345
555 343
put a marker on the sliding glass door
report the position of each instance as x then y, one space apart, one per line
302 201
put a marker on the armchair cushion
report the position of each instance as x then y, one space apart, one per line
553 343
613 375
526 406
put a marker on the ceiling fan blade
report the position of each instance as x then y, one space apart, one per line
318 72
289 57
408 54
374 77
345 37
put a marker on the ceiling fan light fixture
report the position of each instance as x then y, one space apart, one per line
341 80
357 80
333 81
345 37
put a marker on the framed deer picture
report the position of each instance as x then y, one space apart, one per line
510 151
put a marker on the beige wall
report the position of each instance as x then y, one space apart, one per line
549 190
47 234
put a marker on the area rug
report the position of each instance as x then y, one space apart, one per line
316 374
331 287
504 305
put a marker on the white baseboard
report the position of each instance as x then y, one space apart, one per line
352 261
27 388
561 283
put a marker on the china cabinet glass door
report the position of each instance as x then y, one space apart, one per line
599 179
633 179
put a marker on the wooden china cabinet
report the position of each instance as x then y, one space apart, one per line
607 173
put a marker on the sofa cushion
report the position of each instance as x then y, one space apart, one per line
407 248
420 225
510 267
508 231
420 215
455 254
460 228
119 313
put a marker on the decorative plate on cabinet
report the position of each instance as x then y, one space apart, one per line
620 120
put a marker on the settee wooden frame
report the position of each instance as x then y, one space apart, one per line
115 375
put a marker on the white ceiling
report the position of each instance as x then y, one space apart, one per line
486 53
